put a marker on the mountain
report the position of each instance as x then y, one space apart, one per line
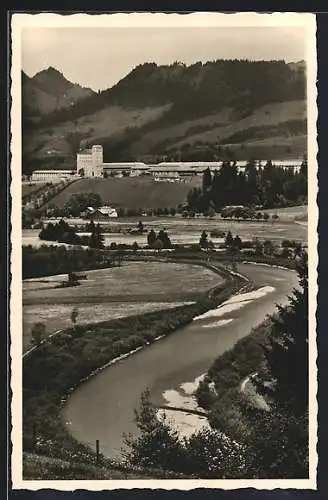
180 111
48 91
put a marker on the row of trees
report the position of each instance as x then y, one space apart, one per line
288 249
40 197
268 187
264 444
49 260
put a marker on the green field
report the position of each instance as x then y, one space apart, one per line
131 192
133 288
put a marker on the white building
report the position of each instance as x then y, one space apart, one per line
52 175
89 162
102 212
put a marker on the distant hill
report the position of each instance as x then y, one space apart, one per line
157 111
49 91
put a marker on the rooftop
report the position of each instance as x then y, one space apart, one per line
54 171
124 164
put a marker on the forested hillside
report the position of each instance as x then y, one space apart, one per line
157 109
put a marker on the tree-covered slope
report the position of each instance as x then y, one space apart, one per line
193 104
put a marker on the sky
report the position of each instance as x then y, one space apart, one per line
98 57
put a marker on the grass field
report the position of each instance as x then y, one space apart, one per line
131 192
291 213
133 288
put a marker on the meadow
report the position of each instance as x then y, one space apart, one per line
132 192
133 288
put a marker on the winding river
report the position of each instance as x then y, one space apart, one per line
103 407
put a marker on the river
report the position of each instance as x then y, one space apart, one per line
103 407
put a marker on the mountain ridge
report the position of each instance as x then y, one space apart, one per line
49 90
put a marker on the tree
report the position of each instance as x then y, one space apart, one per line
135 246
38 333
298 250
164 238
278 441
207 180
151 238
228 240
79 202
206 453
158 446
203 242
237 243
287 356
96 239
268 247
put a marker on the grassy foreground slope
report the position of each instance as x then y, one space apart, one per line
133 192
38 467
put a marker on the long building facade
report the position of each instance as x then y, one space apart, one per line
90 163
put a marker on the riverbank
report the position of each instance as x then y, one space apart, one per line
76 353
221 393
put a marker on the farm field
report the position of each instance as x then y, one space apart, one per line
291 213
110 293
58 316
133 192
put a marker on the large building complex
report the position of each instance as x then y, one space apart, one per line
89 163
